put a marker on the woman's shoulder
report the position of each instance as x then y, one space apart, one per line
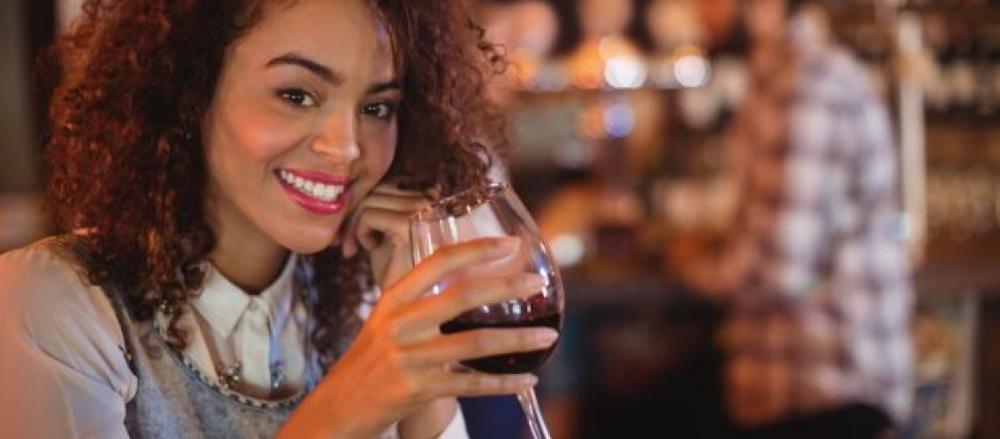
44 293
44 263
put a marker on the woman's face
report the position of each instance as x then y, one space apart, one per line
302 124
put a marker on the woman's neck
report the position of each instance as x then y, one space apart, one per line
243 254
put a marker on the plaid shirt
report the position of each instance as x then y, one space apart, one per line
821 317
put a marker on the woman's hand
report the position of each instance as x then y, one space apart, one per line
380 225
400 361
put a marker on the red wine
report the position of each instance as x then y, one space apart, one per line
519 362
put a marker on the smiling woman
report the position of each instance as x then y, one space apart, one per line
232 179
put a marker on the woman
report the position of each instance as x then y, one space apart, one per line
228 174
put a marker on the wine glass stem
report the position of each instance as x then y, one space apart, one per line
535 422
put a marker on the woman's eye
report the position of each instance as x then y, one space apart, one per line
381 110
297 97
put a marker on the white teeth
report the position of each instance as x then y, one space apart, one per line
317 190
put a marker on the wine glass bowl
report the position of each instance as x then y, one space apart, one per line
491 211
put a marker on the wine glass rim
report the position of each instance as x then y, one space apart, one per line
487 190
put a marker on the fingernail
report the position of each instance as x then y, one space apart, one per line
533 282
506 245
546 336
527 380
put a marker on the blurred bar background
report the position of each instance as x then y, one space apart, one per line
618 112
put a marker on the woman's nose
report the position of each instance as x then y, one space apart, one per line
337 139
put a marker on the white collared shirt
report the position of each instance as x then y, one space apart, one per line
262 336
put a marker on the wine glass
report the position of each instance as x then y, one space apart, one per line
493 210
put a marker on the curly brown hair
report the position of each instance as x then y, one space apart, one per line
126 164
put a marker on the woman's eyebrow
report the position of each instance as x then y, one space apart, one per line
318 69
382 86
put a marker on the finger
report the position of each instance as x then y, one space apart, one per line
396 201
394 225
424 194
393 188
433 310
479 343
408 202
481 384
349 247
446 260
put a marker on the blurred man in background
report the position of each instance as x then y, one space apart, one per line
815 285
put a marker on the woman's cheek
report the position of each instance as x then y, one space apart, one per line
251 129
266 136
384 151
387 149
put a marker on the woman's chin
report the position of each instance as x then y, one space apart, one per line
307 236
307 244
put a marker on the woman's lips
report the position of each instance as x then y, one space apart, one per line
317 192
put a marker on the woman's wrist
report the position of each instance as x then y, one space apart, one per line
319 417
